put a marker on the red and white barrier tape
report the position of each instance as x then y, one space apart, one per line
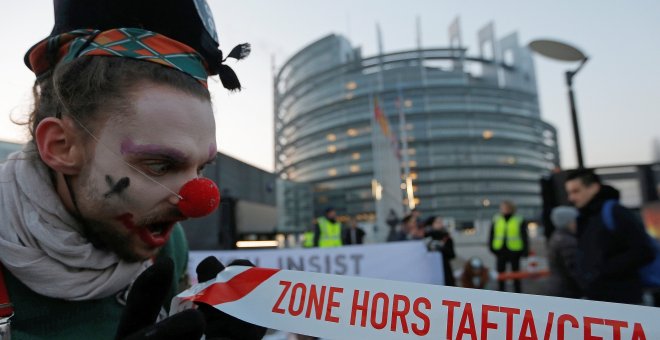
344 307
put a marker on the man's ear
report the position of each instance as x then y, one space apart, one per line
59 146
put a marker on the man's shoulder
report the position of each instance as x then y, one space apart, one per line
617 211
617 207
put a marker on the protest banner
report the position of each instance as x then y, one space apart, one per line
402 261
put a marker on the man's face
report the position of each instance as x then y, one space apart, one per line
580 194
437 224
506 209
331 214
168 138
410 226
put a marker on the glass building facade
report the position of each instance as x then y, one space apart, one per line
473 127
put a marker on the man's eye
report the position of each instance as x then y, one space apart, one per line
159 169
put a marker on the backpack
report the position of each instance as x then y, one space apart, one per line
650 273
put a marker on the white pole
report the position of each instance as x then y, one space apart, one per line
404 149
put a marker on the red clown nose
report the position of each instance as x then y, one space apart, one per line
199 197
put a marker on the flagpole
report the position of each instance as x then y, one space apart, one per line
374 147
404 146
379 38
376 181
379 162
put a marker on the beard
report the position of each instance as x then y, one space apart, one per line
105 237
115 238
100 222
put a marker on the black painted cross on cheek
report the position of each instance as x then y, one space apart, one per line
116 188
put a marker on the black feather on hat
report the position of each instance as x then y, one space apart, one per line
187 21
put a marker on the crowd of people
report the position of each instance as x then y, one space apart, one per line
327 231
596 251
599 249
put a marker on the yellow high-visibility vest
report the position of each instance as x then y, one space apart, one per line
507 229
308 239
330 233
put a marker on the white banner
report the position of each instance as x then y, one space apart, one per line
343 307
399 261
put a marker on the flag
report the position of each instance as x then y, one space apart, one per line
384 124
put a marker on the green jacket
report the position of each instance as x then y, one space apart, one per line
40 317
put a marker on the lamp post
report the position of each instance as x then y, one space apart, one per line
564 52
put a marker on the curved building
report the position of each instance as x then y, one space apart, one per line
473 127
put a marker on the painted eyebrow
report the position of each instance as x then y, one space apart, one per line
128 147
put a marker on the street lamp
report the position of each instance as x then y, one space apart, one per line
564 52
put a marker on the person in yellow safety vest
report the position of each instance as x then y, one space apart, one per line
308 235
327 232
509 241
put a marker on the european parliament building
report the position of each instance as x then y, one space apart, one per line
470 119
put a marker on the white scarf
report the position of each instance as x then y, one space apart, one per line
40 242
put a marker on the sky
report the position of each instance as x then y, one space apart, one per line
617 91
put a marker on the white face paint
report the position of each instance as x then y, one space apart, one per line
170 137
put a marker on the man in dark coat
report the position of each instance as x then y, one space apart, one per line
405 232
353 234
438 239
608 260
